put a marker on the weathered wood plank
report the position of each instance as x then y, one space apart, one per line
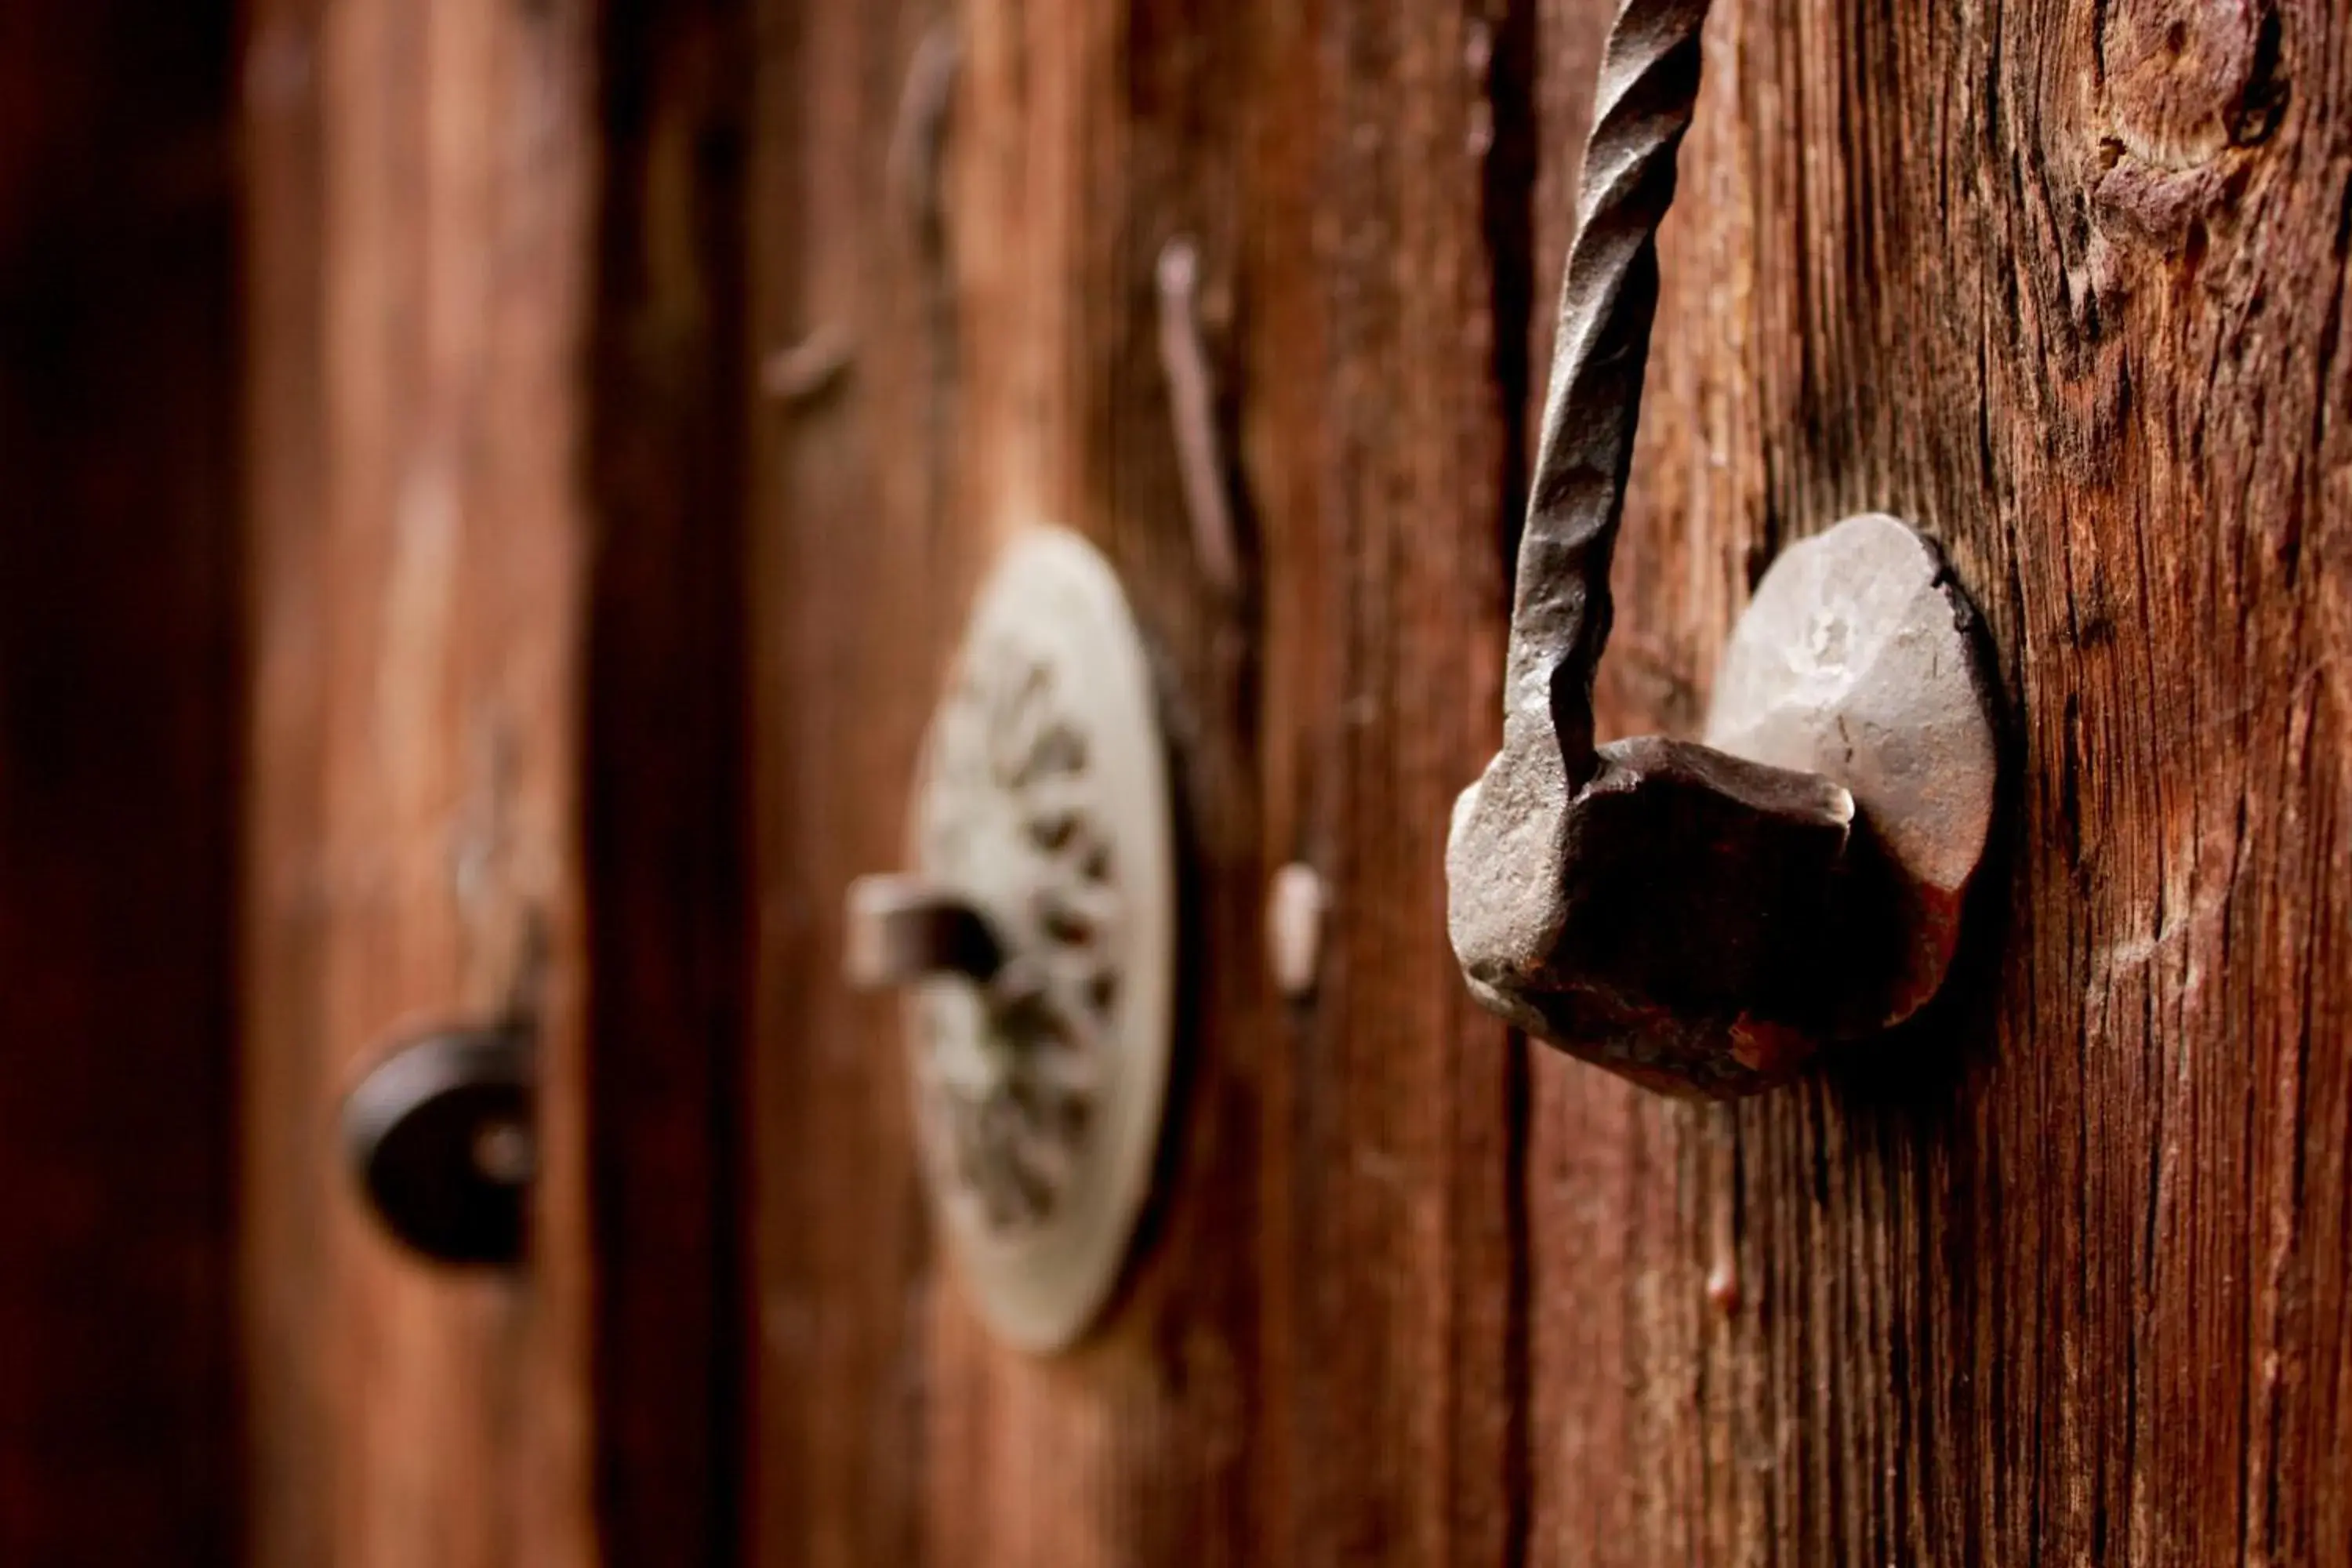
854 576
418 555
1312 1356
1006 370
1383 437
2060 1271
2058 1275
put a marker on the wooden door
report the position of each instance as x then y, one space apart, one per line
640 394
2058 1273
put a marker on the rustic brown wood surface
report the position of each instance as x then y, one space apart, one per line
2059 1273
1003 371
1312 1361
119 1390
422 213
836 1405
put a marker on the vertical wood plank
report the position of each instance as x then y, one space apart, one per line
419 559
853 576
1384 444
1006 370
2057 1274
1313 1352
1090 136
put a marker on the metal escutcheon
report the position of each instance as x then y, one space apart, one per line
1035 935
440 1137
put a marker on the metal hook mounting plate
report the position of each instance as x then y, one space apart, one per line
439 1137
1858 660
1042 803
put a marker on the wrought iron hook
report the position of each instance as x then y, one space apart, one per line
1699 918
1608 298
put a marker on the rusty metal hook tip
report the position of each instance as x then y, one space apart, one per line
1700 918
1193 416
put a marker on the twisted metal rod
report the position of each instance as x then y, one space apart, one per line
1609 299
1700 918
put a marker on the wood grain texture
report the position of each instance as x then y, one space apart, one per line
120 1433
2059 1274
422 195
1006 372
1386 445
853 580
